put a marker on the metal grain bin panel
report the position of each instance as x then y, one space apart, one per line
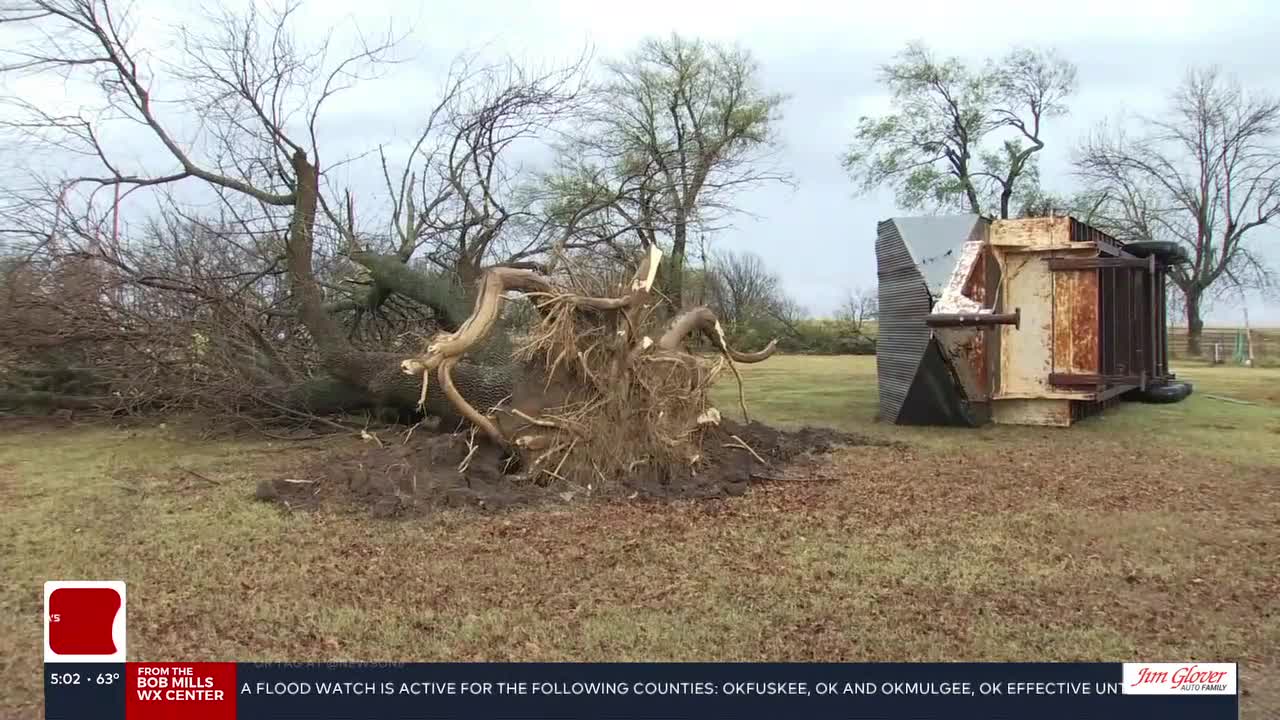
915 259
904 303
936 396
934 242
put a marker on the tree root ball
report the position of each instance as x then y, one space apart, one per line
607 382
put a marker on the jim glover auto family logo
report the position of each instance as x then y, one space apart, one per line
84 621
1179 678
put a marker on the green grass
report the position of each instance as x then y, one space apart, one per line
841 391
1146 533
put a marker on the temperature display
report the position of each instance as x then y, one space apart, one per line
84 690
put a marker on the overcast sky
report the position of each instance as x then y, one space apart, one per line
819 236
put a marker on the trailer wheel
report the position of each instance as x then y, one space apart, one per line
1167 252
1170 393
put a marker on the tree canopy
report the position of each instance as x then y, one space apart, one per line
958 137
682 125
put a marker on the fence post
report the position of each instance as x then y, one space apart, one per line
1248 336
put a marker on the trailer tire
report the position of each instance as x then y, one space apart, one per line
1170 393
1167 252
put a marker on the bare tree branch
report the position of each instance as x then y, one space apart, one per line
1203 175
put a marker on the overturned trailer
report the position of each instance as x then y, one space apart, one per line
1037 321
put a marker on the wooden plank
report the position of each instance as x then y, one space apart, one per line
1073 380
1075 321
1039 411
1031 232
1085 327
1056 394
1093 380
1025 352
1063 299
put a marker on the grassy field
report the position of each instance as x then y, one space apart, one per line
1147 533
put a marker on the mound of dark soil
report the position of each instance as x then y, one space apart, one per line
424 474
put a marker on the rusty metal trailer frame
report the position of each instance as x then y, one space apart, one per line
1038 321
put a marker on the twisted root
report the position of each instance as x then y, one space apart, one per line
447 349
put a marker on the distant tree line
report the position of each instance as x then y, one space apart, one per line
751 302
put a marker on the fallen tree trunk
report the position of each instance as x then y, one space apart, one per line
390 274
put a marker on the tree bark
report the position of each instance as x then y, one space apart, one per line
378 375
447 300
972 194
673 286
307 299
1195 323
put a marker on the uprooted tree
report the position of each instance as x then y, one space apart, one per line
284 300
255 149
598 375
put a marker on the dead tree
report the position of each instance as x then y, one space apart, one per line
599 384
258 95
1203 175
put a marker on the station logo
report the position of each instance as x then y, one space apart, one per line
1179 679
84 621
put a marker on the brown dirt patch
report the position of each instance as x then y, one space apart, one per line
422 475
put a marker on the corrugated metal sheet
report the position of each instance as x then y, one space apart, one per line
916 258
904 303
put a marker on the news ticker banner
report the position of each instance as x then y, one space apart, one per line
86 677
280 691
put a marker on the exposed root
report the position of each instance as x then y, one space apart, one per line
742 395
408 434
468 411
472 447
553 423
564 457
703 319
742 444
613 391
